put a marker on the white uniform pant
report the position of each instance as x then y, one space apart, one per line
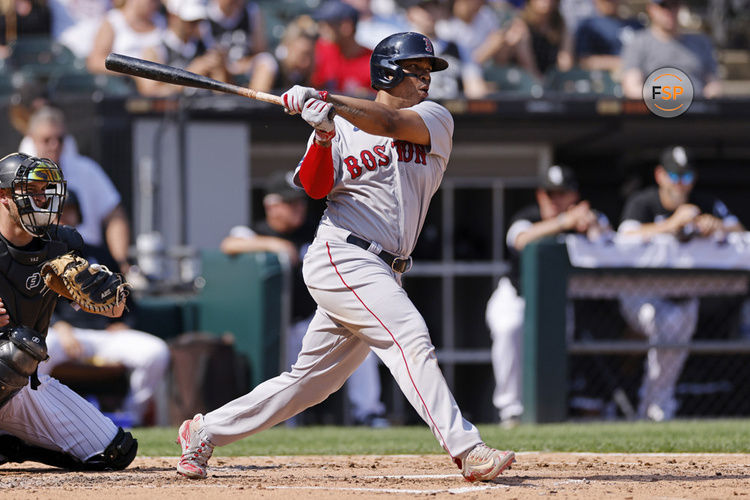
146 357
661 320
362 388
361 307
504 316
56 418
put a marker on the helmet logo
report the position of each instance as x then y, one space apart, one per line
428 45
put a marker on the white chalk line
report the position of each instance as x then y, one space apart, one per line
453 491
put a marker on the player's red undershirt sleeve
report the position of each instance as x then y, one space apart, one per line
316 171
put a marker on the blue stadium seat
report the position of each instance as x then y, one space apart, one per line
582 82
42 55
512 80
78 83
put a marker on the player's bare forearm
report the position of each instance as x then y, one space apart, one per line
379 119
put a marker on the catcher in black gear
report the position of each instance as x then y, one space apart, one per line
41 419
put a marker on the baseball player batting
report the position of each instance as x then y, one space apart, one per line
41 419
379 163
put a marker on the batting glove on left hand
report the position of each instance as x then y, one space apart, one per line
295 98
319 114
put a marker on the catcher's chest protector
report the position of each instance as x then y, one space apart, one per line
21 285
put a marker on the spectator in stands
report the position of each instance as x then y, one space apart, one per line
599 39
664 45
296 54
341 64
372 27
288 231
130 29
236 28
536 40
471 25
558 209
669 208
92 338
463 75
182 47
76 22
22 18
104 219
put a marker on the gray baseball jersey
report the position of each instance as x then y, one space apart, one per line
383 186
381 193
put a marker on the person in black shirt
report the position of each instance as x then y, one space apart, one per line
288 231
669 208
558 210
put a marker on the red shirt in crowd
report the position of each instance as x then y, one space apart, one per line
336 73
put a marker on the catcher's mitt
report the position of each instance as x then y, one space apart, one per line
93 287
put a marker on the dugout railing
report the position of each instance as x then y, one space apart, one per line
582 360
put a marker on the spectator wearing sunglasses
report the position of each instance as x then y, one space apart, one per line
671 207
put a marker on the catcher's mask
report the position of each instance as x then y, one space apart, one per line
38 189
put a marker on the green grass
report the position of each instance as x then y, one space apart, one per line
699 436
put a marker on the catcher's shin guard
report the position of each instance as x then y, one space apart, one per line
118 455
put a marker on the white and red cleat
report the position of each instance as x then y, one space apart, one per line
483 463
196 450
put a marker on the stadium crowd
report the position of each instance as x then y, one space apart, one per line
532 47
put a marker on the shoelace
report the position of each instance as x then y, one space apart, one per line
203 453
481 452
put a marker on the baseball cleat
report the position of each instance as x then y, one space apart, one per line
483 463
195 450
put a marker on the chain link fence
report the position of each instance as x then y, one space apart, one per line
658 344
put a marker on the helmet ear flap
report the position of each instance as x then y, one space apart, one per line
386 74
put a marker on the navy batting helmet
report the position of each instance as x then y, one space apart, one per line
385 72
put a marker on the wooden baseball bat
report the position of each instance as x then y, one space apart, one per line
169 74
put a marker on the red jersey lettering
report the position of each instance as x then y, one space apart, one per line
368 159
380 151
353 167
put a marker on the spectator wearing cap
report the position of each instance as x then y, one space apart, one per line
236 29
599 39
673 208
182 47
664 45
342 65
558 209
288 231
130 29
463 75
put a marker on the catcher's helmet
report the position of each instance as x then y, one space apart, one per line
39 205
385 72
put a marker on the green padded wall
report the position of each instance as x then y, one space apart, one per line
243 296
544 279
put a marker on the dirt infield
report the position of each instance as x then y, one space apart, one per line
561 475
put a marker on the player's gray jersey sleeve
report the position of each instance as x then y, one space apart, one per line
440 124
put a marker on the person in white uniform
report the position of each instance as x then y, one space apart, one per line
558 209
379 163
